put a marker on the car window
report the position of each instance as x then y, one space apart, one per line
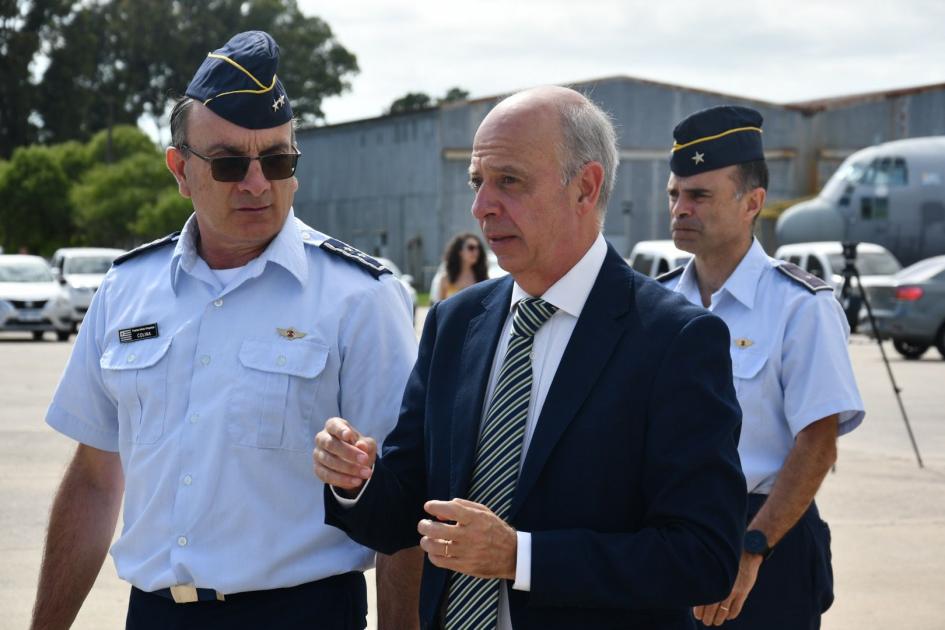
642 263
87 264
25 272
662 267
868 263
815 267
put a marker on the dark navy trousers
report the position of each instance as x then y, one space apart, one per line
335 603
795 583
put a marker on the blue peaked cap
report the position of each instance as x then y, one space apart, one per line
238 82
716 137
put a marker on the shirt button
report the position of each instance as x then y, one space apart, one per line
218 303
131 358
281 360
182 541
188 480
205 359
194 417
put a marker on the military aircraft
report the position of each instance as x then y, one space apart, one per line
892 194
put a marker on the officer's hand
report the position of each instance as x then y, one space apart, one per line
731 606
343 457
472 540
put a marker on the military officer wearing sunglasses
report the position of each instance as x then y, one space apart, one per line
206 364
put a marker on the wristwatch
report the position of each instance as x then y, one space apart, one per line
757 542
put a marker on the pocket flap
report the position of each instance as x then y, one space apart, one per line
136 355
747 362
299 357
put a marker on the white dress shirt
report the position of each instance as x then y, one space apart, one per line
569 294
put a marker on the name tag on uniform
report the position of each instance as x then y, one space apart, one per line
127 335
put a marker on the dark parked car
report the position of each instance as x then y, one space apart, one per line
910 307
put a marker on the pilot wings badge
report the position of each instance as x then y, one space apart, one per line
290 333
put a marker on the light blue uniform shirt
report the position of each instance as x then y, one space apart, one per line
789 359
215 417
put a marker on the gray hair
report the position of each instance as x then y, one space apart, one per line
588 135
180 114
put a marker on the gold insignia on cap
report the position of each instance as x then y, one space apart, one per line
290 333
742 342
698 158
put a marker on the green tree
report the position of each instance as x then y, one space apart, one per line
35 212
454 94
112 62
410 102
110 196
167 214
72 157
123 141
23 26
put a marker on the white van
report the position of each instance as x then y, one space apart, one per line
653 258
824 259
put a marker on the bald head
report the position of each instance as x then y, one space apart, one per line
580 130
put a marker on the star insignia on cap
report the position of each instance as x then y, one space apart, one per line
698 158
278 103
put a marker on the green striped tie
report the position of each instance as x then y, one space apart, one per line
473 603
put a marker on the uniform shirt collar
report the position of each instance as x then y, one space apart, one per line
286 250
741 284
570 292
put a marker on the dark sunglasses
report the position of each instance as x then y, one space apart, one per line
471 247
234 168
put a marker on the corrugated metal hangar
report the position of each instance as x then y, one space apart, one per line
395 186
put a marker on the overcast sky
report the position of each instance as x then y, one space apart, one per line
774 50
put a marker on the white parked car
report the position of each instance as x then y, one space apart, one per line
824 259
81 270
30 298
653 258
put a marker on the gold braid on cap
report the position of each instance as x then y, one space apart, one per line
263 89
677 147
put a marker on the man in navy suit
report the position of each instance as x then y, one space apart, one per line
566 451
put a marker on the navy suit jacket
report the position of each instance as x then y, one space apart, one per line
631 486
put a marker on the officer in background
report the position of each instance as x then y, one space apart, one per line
207 362
790 363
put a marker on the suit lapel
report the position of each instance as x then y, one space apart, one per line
482 337
593 341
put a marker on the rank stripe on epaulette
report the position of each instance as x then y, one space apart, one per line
333 245
808 280
669 275
170 238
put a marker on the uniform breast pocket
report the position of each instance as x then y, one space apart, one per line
747 368
273 399
136 375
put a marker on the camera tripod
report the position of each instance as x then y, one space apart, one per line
849 272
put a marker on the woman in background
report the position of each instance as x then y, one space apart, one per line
465 264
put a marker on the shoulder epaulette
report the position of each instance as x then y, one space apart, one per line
808 280
170 238
338 248
669 275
